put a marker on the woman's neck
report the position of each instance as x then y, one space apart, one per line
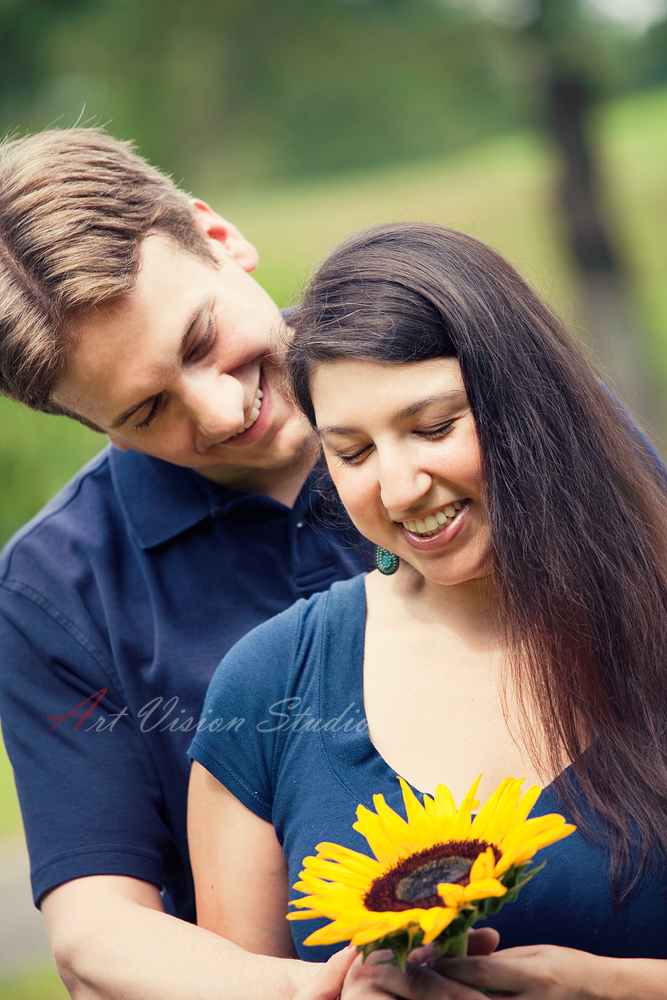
472 605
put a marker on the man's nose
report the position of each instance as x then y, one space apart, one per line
215 403
402 482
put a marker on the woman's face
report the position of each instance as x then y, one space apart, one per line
402 448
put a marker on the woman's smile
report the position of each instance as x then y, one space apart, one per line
431 531
402 449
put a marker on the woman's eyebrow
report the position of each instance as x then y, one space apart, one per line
451 395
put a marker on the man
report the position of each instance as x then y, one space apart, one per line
131 308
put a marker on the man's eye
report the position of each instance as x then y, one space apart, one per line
154 411
205 344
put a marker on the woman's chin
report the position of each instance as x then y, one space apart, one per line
434 572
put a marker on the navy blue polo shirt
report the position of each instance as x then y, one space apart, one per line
117 602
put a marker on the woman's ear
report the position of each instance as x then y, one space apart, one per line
223 232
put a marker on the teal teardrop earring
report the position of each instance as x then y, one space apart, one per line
385 560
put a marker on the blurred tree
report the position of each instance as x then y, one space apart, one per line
572 56
610 316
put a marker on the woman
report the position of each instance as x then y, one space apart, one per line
523 632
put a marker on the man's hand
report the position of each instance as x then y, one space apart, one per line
327 982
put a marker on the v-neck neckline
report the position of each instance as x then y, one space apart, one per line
344 691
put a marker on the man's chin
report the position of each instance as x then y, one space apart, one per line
289 447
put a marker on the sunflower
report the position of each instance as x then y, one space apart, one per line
434 874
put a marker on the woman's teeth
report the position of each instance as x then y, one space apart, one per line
434 522
254 413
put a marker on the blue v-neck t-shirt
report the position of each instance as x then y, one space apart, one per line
298 755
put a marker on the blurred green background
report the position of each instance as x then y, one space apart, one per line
306 120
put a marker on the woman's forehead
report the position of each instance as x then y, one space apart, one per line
349 386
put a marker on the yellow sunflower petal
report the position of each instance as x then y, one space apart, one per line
306 901
487 816
331 934
493 824
429 917
370 826
429 806
522 810
484 865
418 820
402 834
529 848
452 894
445 813
386 923
352 860
533 829
461 828
444 917
482 889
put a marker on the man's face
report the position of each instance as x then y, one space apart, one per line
175 369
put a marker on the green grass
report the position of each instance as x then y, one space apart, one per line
501 191
40 982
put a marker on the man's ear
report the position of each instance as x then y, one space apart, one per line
217 228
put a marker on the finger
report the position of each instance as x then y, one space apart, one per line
425 953
418 983
327 983
483 941
492 972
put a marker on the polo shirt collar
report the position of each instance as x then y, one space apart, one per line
162 500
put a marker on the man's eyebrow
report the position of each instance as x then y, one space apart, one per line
451 395
195 320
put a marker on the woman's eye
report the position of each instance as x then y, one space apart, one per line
438 432
353 459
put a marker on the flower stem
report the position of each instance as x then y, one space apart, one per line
455 947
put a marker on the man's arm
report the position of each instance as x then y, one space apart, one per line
113 941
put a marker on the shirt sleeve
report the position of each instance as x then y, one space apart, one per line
89 795
251 699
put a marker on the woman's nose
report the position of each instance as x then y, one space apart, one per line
402 484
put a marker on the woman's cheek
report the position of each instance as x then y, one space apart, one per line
356 494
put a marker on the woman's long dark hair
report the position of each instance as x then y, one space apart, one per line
576 506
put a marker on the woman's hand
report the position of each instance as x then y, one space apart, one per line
539 972
375 979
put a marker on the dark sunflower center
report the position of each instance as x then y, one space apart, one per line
414 881
424 882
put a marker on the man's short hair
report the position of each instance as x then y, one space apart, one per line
75 206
